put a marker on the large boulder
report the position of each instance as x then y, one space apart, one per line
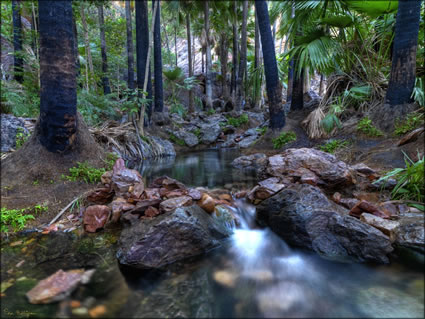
10 126
210 132
304 217
175 235
300 161
189 138
254 161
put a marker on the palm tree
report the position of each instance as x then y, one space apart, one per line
403 69
58 98
105 80
277 115
242 59
208 77
17 41
157 60
142 46
130 50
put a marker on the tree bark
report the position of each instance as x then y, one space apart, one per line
403 67
17 41
274 94
105 79
242 61
130 49
257 64
157 57
234 55
87 44
189 54
297 100
208 77
58 97
223 62
322 85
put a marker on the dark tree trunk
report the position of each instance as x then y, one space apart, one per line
234 54
202 60
77 59
130 50
142 46
17 41
223 62
189 54
277 115
256 44
322 85
208 77
403 69
290 80
297 100
242 60
105 80
58 97
157 60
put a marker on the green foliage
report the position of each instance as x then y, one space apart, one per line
177 140
19 100
85 172
262 130
197 132
418 93
238 121
21 137
96 109
178 108
111 158
366 127
412 121
410 180
284 138
210 112
332 146
13 219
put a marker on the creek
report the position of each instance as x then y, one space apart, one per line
254 274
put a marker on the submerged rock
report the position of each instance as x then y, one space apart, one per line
304 217
58 286
175 235
254 161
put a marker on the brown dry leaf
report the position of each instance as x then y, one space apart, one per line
97 311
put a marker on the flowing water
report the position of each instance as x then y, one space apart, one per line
254 274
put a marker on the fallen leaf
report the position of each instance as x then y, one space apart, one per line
97 311
16 243
6 284
19 264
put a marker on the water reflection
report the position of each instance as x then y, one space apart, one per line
207 169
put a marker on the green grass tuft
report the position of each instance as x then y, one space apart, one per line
366 127
332 146
284 138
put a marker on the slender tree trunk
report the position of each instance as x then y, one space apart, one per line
130 50
87 44
208 78
33 31
202 60
306 80
290 81
159 93
403 68
234 55
17 41
77 59
297 100
189 54
58 97
223 62
175 43
105 80
242 61
274 34
257 93
322 85
167 42
274 94
193 53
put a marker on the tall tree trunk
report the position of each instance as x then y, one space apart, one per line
223 62
193 53
189 54
202 60
17 41
306 80
322 85
403 68
105 80
157 60
274 94
257 93
274 34
77 55
87 44
234 55
130 50
290 81
58 97
242 61
297 100
175 43
142 48
208 78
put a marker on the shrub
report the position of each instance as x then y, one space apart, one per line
13 219
410 180
366 127
284 138
238 121
332 146
85 172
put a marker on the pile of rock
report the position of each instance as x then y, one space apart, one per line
125 197
357 222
